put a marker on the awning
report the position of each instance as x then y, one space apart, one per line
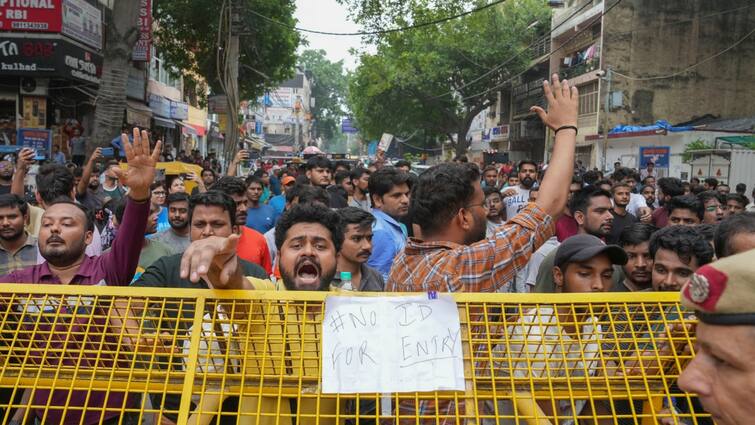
162 122
738 140
201 131
287 149
186 128
138 114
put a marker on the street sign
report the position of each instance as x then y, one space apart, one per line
659 155
347 126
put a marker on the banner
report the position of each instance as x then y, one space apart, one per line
82 22
659 155
143 46
39 140
27 15
48 57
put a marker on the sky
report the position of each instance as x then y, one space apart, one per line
328 15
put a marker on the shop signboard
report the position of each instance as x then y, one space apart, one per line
160 105
179 110
30 15
660 156
143 46
38 139
48 57
82 22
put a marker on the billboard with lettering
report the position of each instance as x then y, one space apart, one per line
30 15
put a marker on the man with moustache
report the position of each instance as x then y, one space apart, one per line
389 190
356 250
88 190
677 251
621 217
177 235
18 249
516 197
635 240
494 205
67 229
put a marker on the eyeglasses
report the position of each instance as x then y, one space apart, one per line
158 193
483 204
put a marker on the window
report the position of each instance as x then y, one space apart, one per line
588 98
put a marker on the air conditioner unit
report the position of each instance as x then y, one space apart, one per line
33 86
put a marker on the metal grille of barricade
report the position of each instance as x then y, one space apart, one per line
254 358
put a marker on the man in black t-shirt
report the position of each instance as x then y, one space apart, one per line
621 217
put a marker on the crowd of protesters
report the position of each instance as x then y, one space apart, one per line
455 227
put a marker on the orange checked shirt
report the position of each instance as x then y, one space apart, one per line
486 266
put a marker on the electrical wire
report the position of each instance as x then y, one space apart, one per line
566 43
508 61
380 32
689 68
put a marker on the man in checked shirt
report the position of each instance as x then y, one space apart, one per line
455 256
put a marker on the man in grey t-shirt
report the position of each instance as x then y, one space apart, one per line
177 236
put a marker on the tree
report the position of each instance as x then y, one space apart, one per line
121 34
329 83
436 78
187 37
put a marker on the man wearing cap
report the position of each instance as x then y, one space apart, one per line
722 373
583 263
278 202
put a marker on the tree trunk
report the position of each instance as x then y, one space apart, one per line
120 36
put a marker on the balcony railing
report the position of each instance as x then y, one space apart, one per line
576 70
542 48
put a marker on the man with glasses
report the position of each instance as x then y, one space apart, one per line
712 206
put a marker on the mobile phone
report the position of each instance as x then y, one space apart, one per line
40 155
107 152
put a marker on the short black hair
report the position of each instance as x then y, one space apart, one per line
712 182
309 194
403 163
527 161
644 181
686 202
670 186
230 185
358 172
341 176
88 215
213 198
741 187
383 180
354 215
722 184
740 199
54 181
728 228
204 170
10 200
253 179
319 161
685 241
461 158
176 197
492 191
707 230
489 168
708 195
636 233
439 194
582 199
309 213
603 182
590 177
343 164
694 179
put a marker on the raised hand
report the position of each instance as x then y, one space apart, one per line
25 159
212 259
141 165
96 154
563 104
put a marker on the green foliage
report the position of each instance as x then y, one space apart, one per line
698 144
187 35
329 82
428 78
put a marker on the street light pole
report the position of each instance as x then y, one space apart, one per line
606 108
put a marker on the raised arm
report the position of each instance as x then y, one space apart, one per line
81 188
240 156
561 117
25 158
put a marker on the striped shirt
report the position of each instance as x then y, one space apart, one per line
25 256
490 265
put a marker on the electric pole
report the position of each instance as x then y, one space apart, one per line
607 107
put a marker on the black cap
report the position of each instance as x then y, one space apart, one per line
583 247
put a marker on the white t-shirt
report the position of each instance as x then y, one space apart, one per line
636 201
515 203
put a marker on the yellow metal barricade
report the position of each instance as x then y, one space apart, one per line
254 357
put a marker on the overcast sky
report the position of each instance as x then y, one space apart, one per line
328 15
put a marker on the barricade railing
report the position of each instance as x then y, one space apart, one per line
254 357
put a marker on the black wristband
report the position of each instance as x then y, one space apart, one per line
567 127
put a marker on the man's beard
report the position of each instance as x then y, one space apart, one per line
289 279
62 256
624 205
478 232
12 237
94 185
527 182
178 225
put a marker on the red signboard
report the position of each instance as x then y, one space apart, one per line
141 52
30 15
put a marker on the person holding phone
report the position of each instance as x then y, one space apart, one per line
242 156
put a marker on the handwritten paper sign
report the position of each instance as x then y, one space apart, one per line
391 344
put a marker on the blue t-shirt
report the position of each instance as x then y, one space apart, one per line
279 203
162 220
261 219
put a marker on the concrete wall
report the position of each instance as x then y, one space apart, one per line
647 38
